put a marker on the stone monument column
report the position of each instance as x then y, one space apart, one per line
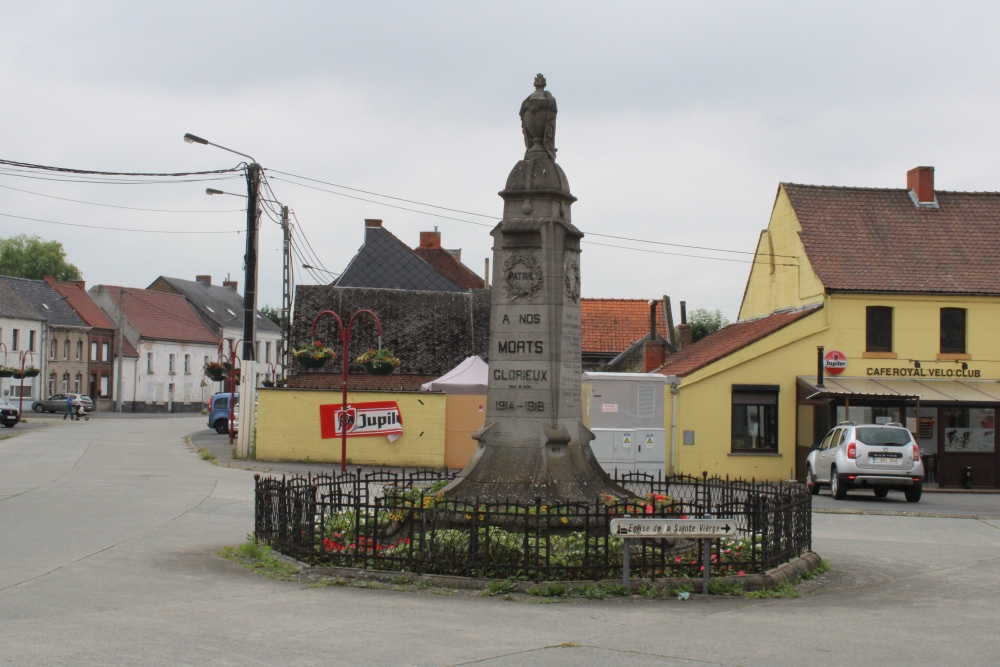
534 443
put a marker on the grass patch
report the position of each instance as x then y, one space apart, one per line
261 559
663 592
549 591
370 584
824 566
328 581
207 455
719 587
785 589
401 580
499 588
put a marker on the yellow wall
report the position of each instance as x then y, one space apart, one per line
705 401
777 282
464 415
704 404
288 429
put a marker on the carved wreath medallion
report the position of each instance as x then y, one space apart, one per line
572 279
522 277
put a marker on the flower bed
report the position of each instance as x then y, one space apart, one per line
392 521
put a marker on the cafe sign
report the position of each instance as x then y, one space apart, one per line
908 372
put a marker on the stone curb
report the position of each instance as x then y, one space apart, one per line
926 515
753 582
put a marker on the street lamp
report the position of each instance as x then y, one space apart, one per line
316 268
253 175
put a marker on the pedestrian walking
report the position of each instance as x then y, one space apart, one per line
69 408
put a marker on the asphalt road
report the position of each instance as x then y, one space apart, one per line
109 528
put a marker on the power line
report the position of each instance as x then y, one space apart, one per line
376 194
116 181
371 201
117 229
306 239
130 208
679 254
28 165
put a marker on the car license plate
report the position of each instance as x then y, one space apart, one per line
884 458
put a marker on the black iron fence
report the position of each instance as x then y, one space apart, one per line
400 521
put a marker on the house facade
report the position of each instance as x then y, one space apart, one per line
874 305
64 337
221 309
172 344
20 333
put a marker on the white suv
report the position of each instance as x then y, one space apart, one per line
875 456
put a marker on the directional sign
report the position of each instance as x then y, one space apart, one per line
672 527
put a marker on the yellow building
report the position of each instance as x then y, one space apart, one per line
877 305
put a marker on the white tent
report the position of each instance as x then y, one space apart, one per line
469 377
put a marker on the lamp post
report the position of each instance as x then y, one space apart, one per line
345 338
230 383
253 172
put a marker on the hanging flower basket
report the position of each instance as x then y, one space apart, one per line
313 355
6 372
217 371
31 372
17 374
267 383
281 382
379 362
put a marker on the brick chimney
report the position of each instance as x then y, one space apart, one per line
49 279
204 279
920 181
231 283
430 240
371 222
654 351
82 284
684 329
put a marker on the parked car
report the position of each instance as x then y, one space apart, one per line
218 412
881 457
10 414
57 403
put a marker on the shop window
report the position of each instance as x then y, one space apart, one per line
878 329
755 419
953 330
968 429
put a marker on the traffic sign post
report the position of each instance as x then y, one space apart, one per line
704 530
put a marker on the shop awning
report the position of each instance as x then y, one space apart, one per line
931 391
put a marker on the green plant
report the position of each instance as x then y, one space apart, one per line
401 580
499 588
383 355
260 559
553 590
785 589
206 455
328 581
719 587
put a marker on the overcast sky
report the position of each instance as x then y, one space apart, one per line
677 121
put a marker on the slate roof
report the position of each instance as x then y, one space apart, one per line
613 325
385 261
162 316
13 306
216 302
45 301
877 240
728 340
452 269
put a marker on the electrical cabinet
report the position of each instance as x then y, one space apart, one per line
625 412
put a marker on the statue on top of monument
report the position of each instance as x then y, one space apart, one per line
538 122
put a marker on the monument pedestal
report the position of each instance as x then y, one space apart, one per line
534 444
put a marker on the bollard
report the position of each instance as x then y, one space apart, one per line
968 478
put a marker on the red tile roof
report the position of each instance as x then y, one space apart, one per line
612 325
877 240
80 301
163 316
728 340
452 269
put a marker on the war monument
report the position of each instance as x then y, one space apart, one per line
534 444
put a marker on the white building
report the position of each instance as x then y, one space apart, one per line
21 333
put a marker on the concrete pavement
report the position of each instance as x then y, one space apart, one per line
108 534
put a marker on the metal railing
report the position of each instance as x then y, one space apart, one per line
399 521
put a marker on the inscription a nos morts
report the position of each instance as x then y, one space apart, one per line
520 347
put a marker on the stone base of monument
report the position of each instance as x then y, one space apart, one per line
555 468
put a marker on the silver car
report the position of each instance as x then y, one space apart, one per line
873 456
57 403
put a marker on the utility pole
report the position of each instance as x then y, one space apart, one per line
286 294
121 346
248 380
